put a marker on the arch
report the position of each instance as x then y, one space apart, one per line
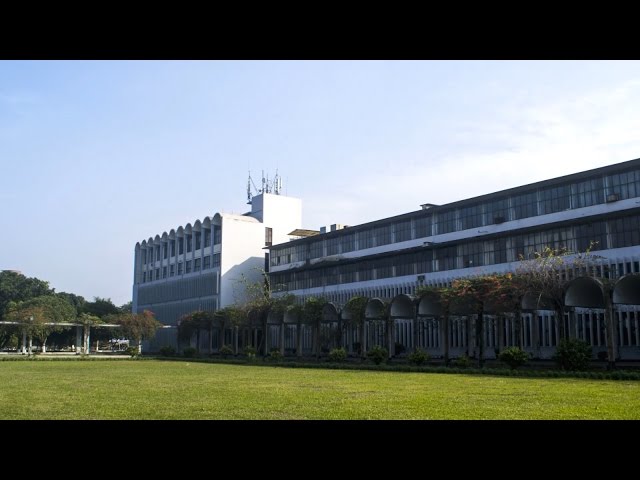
172 234
584 292
429 306
137 246
180 232
330 313
375 309
206 222
627 290
403 306
187 228
165 236
274 317
156 239
290 316
197 225
531 301
144 244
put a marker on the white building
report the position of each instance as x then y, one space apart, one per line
391 257
200 266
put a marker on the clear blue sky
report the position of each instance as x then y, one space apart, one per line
97 155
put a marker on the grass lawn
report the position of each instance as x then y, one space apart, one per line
182 390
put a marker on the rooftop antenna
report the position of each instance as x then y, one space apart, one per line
251 183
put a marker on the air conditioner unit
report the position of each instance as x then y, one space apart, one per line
421 278
613 197
498 219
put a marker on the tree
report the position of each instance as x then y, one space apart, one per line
136 326
76 301
356 308
38 317
195 322
126 307
101 307
15 287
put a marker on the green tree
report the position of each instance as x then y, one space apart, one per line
356 308
76 301
101 307
15 287
39 316
136 326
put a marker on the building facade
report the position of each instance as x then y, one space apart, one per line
201 266
391 257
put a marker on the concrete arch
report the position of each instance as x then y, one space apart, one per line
375 309
137 246
157 239
290 317
206 222
197 226
165 236
584 292
144 244
330 313
403 306
180 232
172 234
187 228
532 301
429 306
275 317
627 290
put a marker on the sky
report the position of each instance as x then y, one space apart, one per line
98 155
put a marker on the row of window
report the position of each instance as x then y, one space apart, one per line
601 235
190 241
539 201
177 268
192 287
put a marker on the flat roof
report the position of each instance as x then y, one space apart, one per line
617 167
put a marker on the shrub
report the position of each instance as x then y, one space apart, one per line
462 362
418 357
514 357
603 355
275 354
378 354
226 350
167 351
573 354
132 351
189 352
250 351
399 348
338 355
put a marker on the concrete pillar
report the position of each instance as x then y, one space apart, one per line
609 319
235 340
30 345
78 339
444 345
24 342
299 339
282 327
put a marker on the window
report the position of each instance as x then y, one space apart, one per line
555 199
150 255
446 222
403 231
207 262
316 249
497 211
189 239
196 265
207 237
348 243
333 246
216 260
157 274
173 248
382 235
164 272
144 257
365 239
165 250
179 268
587 193
172 270
180 246
423 227
471 217
188 267
144 277
217 234
198 242
158 252
268 236
525 205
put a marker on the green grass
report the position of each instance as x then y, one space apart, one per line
186 390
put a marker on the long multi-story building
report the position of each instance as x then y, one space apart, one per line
598 208
205 265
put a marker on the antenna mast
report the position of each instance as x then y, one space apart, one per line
268 186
